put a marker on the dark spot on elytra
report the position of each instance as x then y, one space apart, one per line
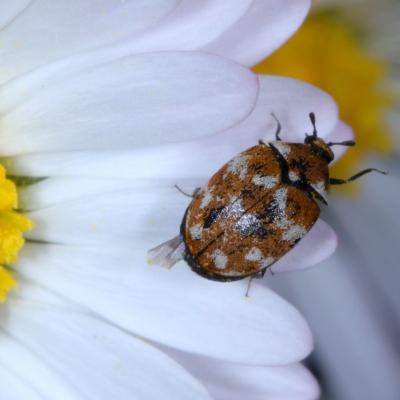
212 216
247 193
257 167
271 212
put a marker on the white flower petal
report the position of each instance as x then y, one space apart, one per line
143 99
265 26
291 100
13 387
134 215
174 307
236 382
340 305
30 372
190 26
50 30
315 247
52 191
89 358
9 9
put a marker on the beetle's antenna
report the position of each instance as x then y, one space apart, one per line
314 132
312 119
336 181
278 127
345 143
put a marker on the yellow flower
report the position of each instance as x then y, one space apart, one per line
12 226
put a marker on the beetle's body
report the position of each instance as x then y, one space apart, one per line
253 211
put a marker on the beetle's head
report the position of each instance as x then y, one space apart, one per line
319 146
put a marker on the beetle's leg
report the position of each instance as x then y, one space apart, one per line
277 132
335 181
248 287
345 143
257 275
278 128
187 194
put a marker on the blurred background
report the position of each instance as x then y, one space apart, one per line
351 49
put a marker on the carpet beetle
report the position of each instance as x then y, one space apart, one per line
255 209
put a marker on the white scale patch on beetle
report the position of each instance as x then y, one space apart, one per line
220 259
234 209
295 232
233 273
265 181
248 224
238 166
280 198
255 254
196 231
293 176
282 147
207 197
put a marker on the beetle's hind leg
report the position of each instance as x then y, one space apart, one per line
257 275
195 191
336 181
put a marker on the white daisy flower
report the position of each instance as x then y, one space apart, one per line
109 103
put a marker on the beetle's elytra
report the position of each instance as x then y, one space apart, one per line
255 209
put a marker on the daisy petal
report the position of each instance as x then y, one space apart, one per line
265 26
144 99
236 382
28 373
345 303
9 9
33 38
53 191
315 247
174 307
13 387
191 26
127 215
291 100
100 357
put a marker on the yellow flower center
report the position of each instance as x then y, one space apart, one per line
12 226
327 51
